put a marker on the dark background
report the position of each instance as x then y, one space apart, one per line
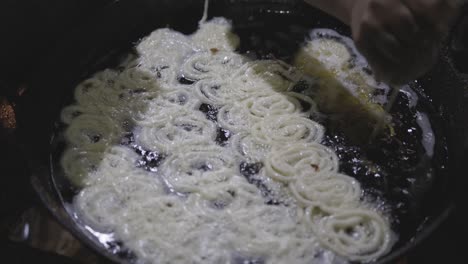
29 29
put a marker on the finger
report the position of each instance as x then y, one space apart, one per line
403 25
395 18
381 66
386 69
433 15
393 29
424 10
389 47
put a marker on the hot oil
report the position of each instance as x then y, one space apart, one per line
396 172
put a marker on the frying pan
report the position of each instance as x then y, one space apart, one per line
99 42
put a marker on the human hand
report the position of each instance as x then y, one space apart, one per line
400 38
